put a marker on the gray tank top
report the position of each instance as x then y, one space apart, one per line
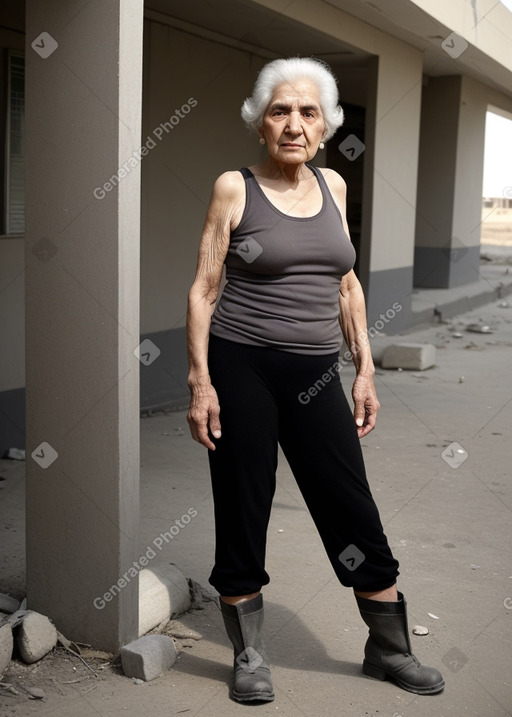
283 276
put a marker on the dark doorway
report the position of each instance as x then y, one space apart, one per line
349 161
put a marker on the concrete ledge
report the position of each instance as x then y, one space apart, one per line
433 305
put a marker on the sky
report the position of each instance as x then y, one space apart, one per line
498 150
498 155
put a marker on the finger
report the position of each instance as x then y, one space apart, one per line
368 426
359 413
204 438
215 427
199 431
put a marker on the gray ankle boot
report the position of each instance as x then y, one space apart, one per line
243 623
388 651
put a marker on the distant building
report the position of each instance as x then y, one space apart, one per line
497 203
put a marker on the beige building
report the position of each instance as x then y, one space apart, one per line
132 111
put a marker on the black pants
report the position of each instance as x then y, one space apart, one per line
268 396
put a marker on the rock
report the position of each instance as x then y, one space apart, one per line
8 604
36 637
148 657
6 645
479 328
15 454
35 693
420 630
16 618
163 593
416 357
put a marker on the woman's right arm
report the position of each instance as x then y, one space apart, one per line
224 212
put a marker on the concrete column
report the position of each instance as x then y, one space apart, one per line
447 251
389 190
83 89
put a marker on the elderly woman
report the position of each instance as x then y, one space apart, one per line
254 355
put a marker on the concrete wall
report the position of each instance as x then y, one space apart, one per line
177 178
389 201
447 251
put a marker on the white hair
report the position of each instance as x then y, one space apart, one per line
291 70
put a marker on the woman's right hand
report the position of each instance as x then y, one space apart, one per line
203 414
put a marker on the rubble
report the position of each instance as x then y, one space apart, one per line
37 636
6 646
148 657
416 357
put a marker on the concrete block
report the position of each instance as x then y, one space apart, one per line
36 637
148 657
164 592
415 357
6 645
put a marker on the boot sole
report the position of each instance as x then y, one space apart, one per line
253 697
377 673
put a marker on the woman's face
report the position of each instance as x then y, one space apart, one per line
293 125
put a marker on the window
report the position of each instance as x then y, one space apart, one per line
15 145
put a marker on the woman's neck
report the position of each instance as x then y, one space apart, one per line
292 174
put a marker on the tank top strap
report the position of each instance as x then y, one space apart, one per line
321 180
246 173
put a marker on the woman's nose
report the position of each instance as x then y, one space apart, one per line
294 123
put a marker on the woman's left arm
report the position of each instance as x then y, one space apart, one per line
352 319
353 325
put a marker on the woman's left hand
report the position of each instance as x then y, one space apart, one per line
366 404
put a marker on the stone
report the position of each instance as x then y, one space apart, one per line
36 637
415 357
420 630
6 645
164 592
8 604
35 693
148 657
